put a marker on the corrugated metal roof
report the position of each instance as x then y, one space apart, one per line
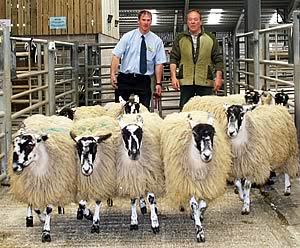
232 11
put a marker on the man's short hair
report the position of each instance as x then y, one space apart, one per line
144 12
194 10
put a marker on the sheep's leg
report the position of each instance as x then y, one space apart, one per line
198 226
96 218
110 202
202 209
83 211
42 215
46 230
246 202
143 206
133 219
239 187
287 184
154 217
60 210
29 216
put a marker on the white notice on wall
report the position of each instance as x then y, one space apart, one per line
58 22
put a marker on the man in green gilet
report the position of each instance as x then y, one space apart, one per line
196 54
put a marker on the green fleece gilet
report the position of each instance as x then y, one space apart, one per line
196 68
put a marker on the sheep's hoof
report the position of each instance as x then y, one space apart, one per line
155 229
60 210
245 212
46 236
201 238
29 221
79 214
134 227
236 191
95 229
200 234
144 210
110 202
181 209
287 193
89 216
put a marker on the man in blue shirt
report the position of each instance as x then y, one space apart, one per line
132 79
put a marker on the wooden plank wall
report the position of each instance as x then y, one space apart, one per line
31 17
2 9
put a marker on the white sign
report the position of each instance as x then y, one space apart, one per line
58 22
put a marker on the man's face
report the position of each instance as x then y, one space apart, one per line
194 22
145 23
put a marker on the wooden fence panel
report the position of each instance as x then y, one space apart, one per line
32 17
2 9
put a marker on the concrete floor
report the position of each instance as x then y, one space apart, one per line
268 224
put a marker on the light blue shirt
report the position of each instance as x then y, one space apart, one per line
128 49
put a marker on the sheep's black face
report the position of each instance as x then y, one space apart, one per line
203 135
132 135
132 108
24 150
281 98
252 97
87 151
235 117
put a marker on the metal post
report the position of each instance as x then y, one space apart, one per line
175 23
86 73
75 71
235 64
225 65
7 86
296 32
51 77
230 63
186 8
256 65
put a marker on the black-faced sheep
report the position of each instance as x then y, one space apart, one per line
96 139
42 166
262 140
139 164
197 159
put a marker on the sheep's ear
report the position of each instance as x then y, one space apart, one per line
226 106
73 136
136 99
122 101
191 121
102 138
22 128
210 118
139 120
121 121
247 108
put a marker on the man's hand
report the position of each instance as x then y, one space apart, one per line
218 84
114 81
175 84
158 89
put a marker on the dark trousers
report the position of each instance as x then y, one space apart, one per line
189 91
134 84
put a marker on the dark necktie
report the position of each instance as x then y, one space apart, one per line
143 58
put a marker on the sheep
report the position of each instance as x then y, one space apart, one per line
42 166
132 106
139 165
262 140
95 141
197 160
214 104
